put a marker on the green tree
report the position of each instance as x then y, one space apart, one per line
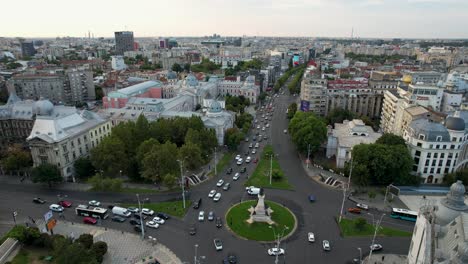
461 175
391 139
75 253
99 249
86 240
292 109
243 119
276 175
16 159
192 155
169 180
338 115
142 130
187 67
160 161
305 128
360 223
110 156
262 96
233 137
371 194
83 167
46 173
145 147
176 67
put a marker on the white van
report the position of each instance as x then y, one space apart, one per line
121 211
253 190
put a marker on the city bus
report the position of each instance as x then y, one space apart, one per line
96 212
404 214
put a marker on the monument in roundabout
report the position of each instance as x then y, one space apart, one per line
261 212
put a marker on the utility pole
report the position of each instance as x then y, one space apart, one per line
271 166
375 234
216 171
342 204
141 218
182 181
308 155
195 260
360 255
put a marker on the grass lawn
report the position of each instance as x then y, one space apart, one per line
261 175
222 163
349 230
172 208
237 216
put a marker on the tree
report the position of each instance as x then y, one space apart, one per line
187 67
305 128
391 139
83 167
46 173
16 159
100 249
110 156
86 240
292 109
170 180
371 194
338 115
160 161
360 223
191 154
176 67
100 183
75 253
243 119
262 96
233 137
461 175
142 130
276 175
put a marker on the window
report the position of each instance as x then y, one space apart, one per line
419 144
67 158
433 162
432 170
417 153
425 170
439 138
79 141
427 163
436 155
428 155
64 146
444 146
421 137
452 146
437 146
72 144
431 146
42 151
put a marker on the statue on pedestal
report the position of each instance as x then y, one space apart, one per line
261 212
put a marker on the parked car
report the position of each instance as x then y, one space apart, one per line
133 210
147 211
236 176
244 169
94 203
219 222
376 247
117 218
201 216
362 206
197 204
218 244
217 197
226 186
212 194
239 162
275 251
159 220
192 230
56 208
66 204
229 171
211 216
246 139
137 228
138 216
152 224
38 200
354 210
135 222
326 245
89 220
238 156
163 215
254 151
285 131
311 237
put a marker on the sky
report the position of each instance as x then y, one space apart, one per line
306 18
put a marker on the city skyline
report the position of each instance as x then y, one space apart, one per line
281 18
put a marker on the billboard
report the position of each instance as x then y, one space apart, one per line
305 106
295 60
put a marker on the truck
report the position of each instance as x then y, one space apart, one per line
252 190
121 211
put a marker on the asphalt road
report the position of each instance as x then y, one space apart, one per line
318 217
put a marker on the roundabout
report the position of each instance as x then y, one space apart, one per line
284 222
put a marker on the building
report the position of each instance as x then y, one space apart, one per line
118 63
457 82
119 98
345 136
436 148
79 86
451 101
27 49
16 121
123 42
62 134
424 77
440 233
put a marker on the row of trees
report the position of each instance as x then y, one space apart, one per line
282 80
16 160
205 66
307 129
292 109
377 58
236 104
295 85
244 66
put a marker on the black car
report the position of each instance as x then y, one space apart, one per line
192 230
229 171
135 222
247 153
117 218
38 200
197 204
137 216
163 215
137 228
219 222
244 169
231 258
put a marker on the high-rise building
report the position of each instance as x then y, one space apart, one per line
27 49
123 42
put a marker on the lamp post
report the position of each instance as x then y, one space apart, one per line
271 166
195 258
308 154
375 233
215 169
360 255
278 241
141 218
345 189
182 181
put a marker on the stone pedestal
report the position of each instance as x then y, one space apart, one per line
260 213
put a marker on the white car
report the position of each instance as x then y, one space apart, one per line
56 208
201 216
326 245
239 162
254 151
362 206
275 251
376 247
152 224
238 156
218 244
220 183
212 193
285 131
247 160
263 128
94 203
235 177
311 237
258 127
267 125
147 211
217 197
159 220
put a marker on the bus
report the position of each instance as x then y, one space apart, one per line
96 212
404 214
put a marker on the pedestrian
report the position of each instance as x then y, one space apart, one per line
383 257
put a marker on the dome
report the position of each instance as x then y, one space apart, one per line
456 197
191 80
171 75
455 123
215 107
407 79
250 79
43 107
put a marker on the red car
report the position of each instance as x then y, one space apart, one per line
354 210
65 204
89 220
255 160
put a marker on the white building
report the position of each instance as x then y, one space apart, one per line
451 101
457 82
118 63
62 134
345 136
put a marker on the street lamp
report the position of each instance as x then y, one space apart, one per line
345 189
375 233
141 218
215 169
278 241
360 255
182 181
195 258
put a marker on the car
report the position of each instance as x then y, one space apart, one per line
229 171
354 210
219 222
89 220
255 160
230 259
220 183
266 118
117 218
152 224
267 125
238 156
254 151
163 215
135 222
197 204
260 139
201 216
217 197
311 198
251 145
254 138
311 237
258 127
147 211
56 208
248 159
133 210
326 245
139 216
263 128
159 220
192 230
211 216
226 186
265 137
218 244
94 203
243 170
236 176
362 206
38 200
212 194
66 204
247 153
275 251
376 247
239 162
246 139
285 131
137 228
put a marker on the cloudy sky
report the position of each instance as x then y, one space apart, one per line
311 18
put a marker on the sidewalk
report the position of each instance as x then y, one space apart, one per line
386 259
69 186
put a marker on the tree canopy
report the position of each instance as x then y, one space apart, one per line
338 115
46 173
306 128
391 140
292 109
205 66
